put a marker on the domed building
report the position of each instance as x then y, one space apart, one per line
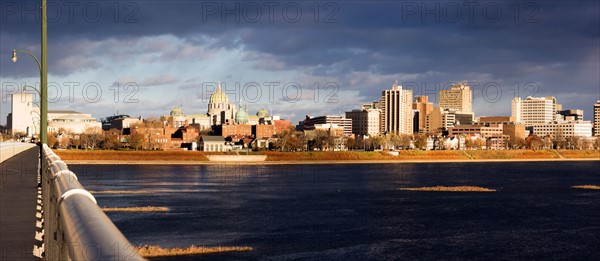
176 112
241 116
262 114
219 109
176 119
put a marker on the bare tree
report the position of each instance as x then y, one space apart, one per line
64 140
52 140
136 140
92 137
534 142
420 141
323 140
405 141
76 141
111 139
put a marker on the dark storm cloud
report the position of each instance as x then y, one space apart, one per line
548 42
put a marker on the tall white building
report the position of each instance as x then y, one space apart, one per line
397 111
24 117
459 98
597 118
535 110
365 122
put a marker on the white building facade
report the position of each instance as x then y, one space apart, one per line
535 110
25 116
564 129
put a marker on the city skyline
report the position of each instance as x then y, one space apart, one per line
359 47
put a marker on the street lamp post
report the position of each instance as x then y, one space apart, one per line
43 66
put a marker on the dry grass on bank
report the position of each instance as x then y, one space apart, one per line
124 155
165 156
512 154
431 155
451 189
586 187
327 155
578 154
137 209
156 251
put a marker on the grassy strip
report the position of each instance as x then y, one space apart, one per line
578 154
328 155
137 209
512 154
156 251
124 155
586 187
451 189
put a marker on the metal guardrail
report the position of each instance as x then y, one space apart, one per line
75 228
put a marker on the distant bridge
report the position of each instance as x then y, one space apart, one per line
60 220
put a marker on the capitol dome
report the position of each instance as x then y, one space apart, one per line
218 96
176 112
262 113
241 116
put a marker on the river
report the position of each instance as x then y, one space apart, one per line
357 212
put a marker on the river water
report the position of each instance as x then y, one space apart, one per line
357 212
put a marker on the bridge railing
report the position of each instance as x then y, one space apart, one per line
75 228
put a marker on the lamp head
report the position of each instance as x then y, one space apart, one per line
14 57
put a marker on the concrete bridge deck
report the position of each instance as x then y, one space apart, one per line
18 203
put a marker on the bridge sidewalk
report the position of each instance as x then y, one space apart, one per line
18 201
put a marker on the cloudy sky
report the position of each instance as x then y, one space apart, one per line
301 57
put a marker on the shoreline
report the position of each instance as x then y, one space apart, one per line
307 162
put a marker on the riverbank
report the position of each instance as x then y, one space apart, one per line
346 157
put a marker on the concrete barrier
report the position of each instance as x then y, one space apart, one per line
9 149
237 158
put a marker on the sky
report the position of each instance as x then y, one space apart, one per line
295 58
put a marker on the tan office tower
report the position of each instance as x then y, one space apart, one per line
397 110
424 107
597 119
459 98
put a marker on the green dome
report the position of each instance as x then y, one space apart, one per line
176 112
218 96
241 116
262 113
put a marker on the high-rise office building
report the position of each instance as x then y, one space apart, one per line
459 98
424 107
535 110
365 122
397 110
597 118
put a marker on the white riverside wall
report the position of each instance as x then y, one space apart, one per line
9 149
237 158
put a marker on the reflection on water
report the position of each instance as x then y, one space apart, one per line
357 211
